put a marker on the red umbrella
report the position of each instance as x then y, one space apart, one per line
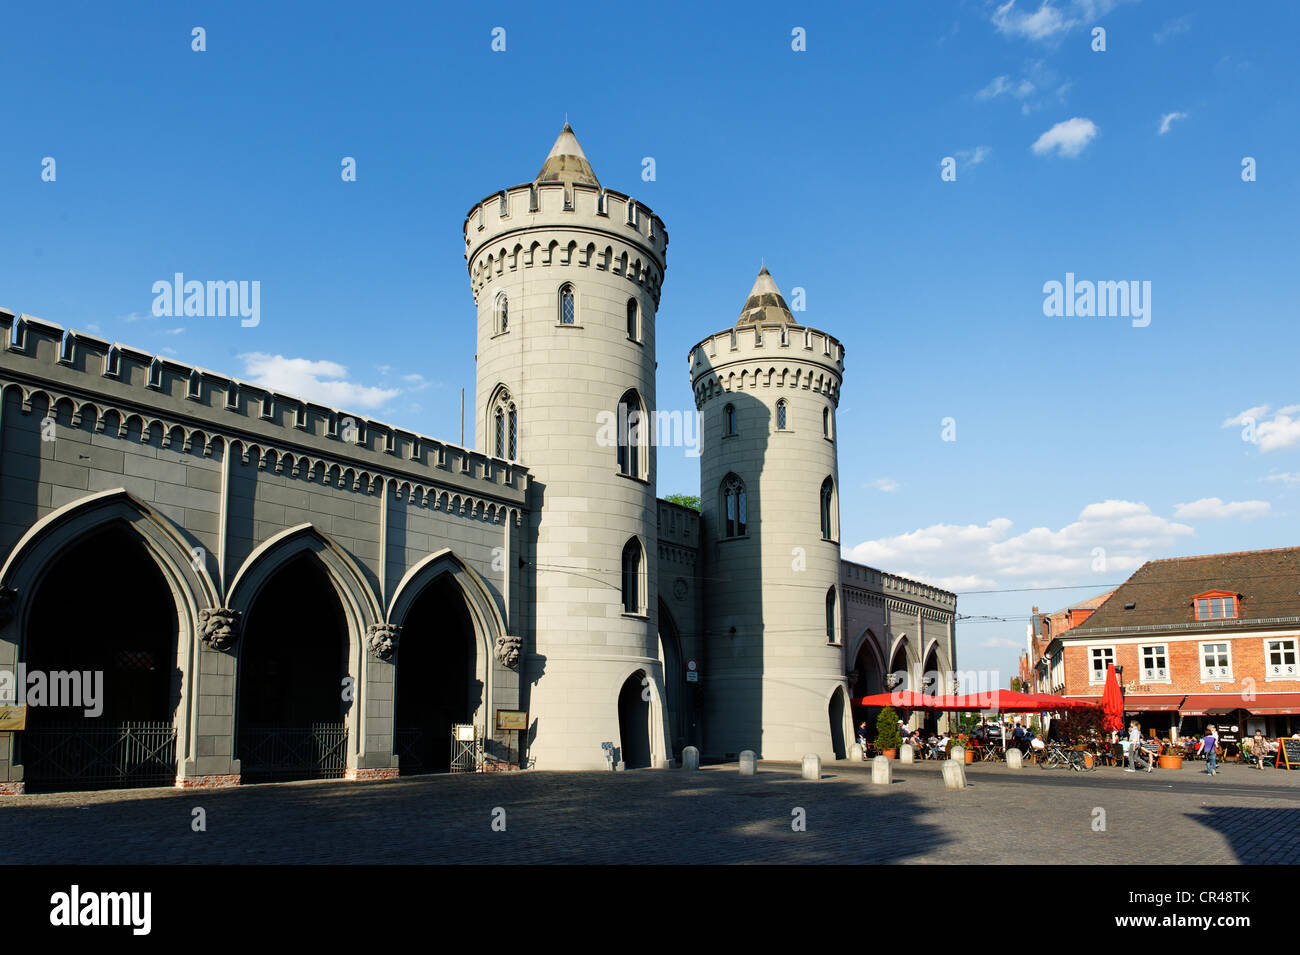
908 700
1112 702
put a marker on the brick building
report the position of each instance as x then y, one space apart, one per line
1197 639
1035 671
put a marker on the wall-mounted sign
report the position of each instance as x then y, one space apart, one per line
13 718
464 732
512 720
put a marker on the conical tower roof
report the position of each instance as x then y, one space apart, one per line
765 303
566 162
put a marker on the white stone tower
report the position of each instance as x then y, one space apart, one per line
566 276
774 675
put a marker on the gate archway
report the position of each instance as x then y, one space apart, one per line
437 684
101 669
292 668
634 722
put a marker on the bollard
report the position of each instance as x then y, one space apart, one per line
954 774
690 758
812 767
1015 759
957 754
906 753
882 772
856 753
748 763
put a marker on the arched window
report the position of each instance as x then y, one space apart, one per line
831 628
782 413
568 306
828 509
632 589
733 506
826 422
729 419
501 310
631 435
504 418
633 320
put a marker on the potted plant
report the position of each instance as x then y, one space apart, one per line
887 737
1171 757
963 741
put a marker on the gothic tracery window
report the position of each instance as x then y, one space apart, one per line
733 506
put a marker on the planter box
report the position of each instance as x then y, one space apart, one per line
1171 762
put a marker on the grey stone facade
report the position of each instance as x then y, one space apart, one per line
585 595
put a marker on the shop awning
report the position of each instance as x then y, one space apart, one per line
1274 704
1218 704
1152 704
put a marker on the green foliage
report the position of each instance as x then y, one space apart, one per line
685 500
887 736
1015 684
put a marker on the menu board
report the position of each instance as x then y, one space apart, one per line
1288 753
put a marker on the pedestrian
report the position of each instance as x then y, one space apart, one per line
1259 749
1208 746
1135 751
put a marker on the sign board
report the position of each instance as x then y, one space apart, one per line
1288 753
464 732
13 718
512 720
692 676
692 666
1229 733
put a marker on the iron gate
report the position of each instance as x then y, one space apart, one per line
65 757
270 753
466 754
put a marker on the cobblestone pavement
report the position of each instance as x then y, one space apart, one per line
713 816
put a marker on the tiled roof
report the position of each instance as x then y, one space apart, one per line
1268 582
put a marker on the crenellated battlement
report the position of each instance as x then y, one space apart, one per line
562 225
893 586
768 355
134 392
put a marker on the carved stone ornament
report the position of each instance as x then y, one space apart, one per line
508 650
382 639
219 628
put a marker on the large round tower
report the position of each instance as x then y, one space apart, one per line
767 390
566 276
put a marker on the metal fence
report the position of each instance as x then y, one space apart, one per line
65 757
268 753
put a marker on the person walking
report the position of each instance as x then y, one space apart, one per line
1259 750
1209 745
1135 752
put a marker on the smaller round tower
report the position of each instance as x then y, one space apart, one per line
767 390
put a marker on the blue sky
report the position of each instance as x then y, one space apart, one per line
1071 433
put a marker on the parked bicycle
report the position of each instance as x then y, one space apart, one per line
1060 758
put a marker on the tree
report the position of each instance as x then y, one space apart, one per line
685 500
887 736
1015 684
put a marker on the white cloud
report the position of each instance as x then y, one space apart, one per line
1068 138
884 484
1003 643
322 381
137 317
1213 508
1049 20
1274 430
1283 477
1167 119
984 557
173 331
1002 86
1172 28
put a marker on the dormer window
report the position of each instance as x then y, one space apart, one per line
1215 605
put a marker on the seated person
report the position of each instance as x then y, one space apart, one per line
1037 744
940 746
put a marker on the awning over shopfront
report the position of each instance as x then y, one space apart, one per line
1152 704
1212 705
1274 704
